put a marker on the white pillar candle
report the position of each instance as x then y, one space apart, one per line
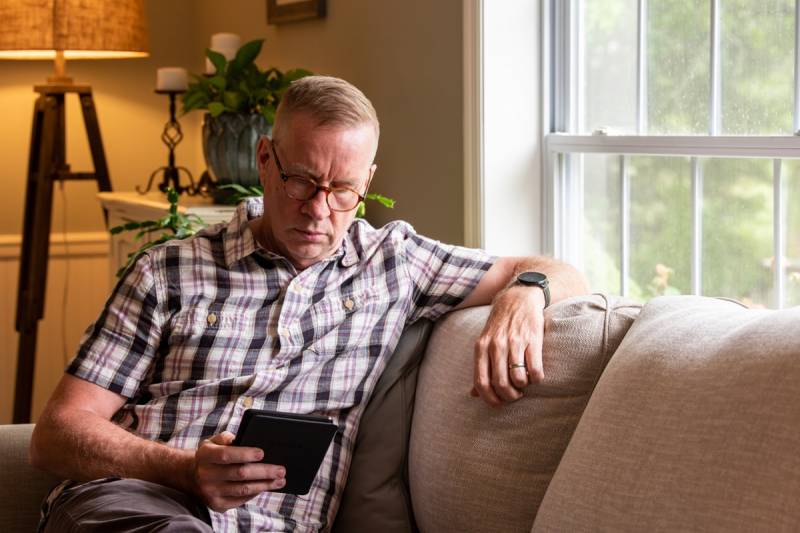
171 79
226 44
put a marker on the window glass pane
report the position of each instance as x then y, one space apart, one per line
791 205
678 66
609 70
757 62
661 226
737 230
601 224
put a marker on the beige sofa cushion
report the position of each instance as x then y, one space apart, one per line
376 495
694 426
22 487
474 468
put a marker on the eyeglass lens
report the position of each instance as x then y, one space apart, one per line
338 199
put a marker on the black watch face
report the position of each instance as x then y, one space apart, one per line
532 278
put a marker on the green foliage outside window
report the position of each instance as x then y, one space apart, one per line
757 45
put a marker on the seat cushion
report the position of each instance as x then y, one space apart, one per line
23 488
376 496
693 426
475 468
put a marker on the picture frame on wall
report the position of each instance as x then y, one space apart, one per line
281 11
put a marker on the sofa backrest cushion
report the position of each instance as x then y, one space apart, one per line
693 426
376 496
475 468
22 487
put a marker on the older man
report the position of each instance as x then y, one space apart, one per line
292 306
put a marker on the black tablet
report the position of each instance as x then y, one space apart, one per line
296 442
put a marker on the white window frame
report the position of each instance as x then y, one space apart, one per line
503 138
562 50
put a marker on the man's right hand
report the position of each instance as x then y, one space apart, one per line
225 476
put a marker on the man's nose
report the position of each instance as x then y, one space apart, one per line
317 206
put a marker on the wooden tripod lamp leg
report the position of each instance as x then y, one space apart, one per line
47 125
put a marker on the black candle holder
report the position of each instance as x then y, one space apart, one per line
172 136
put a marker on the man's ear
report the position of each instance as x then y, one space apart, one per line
372 170
263 154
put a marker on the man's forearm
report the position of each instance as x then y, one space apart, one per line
82 445
565 281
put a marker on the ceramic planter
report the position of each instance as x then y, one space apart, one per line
229 146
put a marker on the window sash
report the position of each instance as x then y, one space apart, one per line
563 104
568 230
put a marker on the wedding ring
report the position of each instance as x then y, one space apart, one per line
516 365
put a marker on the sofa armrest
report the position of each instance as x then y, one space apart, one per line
23 487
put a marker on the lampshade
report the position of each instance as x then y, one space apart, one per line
82 29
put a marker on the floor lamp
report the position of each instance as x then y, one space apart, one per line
58 30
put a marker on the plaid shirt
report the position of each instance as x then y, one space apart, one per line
202 329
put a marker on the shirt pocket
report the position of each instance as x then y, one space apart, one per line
342 321
210 322
207 343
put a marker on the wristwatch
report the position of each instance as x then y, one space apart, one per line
536 279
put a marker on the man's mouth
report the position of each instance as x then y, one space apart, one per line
310 235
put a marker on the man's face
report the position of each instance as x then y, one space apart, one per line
306 232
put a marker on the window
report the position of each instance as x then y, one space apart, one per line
672 161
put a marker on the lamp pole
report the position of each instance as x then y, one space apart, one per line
47 164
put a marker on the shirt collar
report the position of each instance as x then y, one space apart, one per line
240 242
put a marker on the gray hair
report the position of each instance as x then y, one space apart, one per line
329 101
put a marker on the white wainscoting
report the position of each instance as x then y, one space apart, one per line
77 260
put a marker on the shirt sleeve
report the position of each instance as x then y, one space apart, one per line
117 351
442 275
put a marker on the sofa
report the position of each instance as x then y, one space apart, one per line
679 415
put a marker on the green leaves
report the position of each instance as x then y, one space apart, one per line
383 200
242 192
217 59
247 54
239 85
174 225
216 108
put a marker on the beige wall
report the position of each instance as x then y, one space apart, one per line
406 56
131 118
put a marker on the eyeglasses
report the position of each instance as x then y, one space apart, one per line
304 189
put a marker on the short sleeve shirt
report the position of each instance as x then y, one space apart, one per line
199 330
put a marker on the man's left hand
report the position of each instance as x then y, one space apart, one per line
508 353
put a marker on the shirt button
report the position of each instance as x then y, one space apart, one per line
349 304
212 319
247 401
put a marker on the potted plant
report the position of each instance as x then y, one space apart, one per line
174 225
241 100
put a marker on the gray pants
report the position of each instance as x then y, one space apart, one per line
125 505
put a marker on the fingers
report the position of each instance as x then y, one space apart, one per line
246 472
501 383
491 376
497 378
218 450
533 360
517 365
224 496
482 375
224 438
227 476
